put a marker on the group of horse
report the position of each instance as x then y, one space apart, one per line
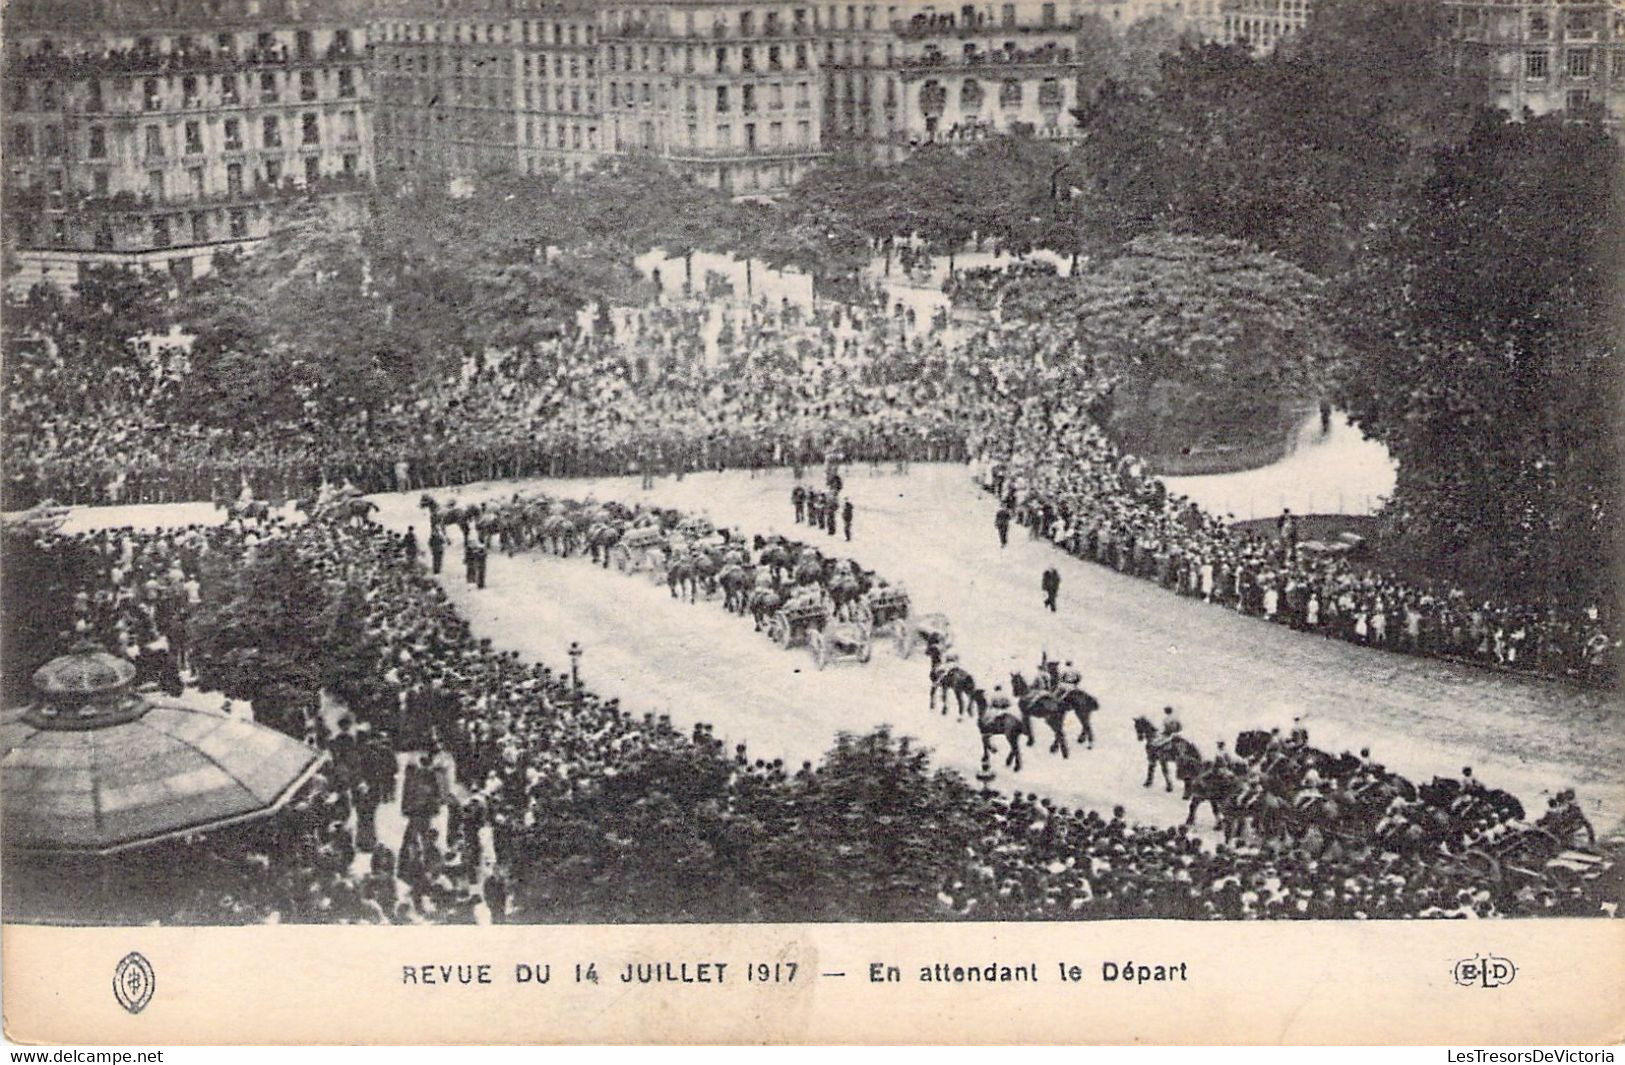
343 508
696 561
1270 790
1038 700
1289 791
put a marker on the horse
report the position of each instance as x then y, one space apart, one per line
1218 787
776 557
845 590
706 567
449 514
256 510
735 579
353 509
809 570
601 538
953 679
992 725
763 602
1046 706
1084 705
558 535
1251 744
1569 824
680 579
1178 750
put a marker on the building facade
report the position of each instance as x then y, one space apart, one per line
1541 58
160 133
482 84
1258 25
989 69
726 91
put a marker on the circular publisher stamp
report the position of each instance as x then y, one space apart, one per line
134 982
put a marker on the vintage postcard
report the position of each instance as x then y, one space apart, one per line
761 521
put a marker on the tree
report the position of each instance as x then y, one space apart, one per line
257 635
1484 353
1298 152
1207 340
297 327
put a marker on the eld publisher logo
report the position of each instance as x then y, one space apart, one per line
134 982
1484 971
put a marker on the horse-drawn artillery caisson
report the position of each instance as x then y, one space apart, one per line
640 549
885 609
1528 855
841 639
796 619
914 632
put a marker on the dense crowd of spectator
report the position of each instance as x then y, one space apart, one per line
707 385
768 388
1057 473
526 797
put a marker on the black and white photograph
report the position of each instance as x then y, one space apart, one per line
764 462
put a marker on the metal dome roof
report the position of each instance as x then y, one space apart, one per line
85 672
167 771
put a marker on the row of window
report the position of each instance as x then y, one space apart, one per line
571 136
745 58
154 143
563 100
773 136
1577 24
261 42
272 172
539 66
770 96
1577 63
485 125
934 95
158 94
455 92
161 230
530 32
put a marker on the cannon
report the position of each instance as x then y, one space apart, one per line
841 639
793 622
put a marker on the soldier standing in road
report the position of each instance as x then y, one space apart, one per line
1001 522
846 519
798 499
1051 583
437 547
478 553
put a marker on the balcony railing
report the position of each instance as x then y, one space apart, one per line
952 26
761 151
1049 55
124 63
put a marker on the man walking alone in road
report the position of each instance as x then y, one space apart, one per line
846 519
1052 587
1001 522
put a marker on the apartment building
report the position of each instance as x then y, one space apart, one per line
159 133
1258 25
727 91
1540 58
978 70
